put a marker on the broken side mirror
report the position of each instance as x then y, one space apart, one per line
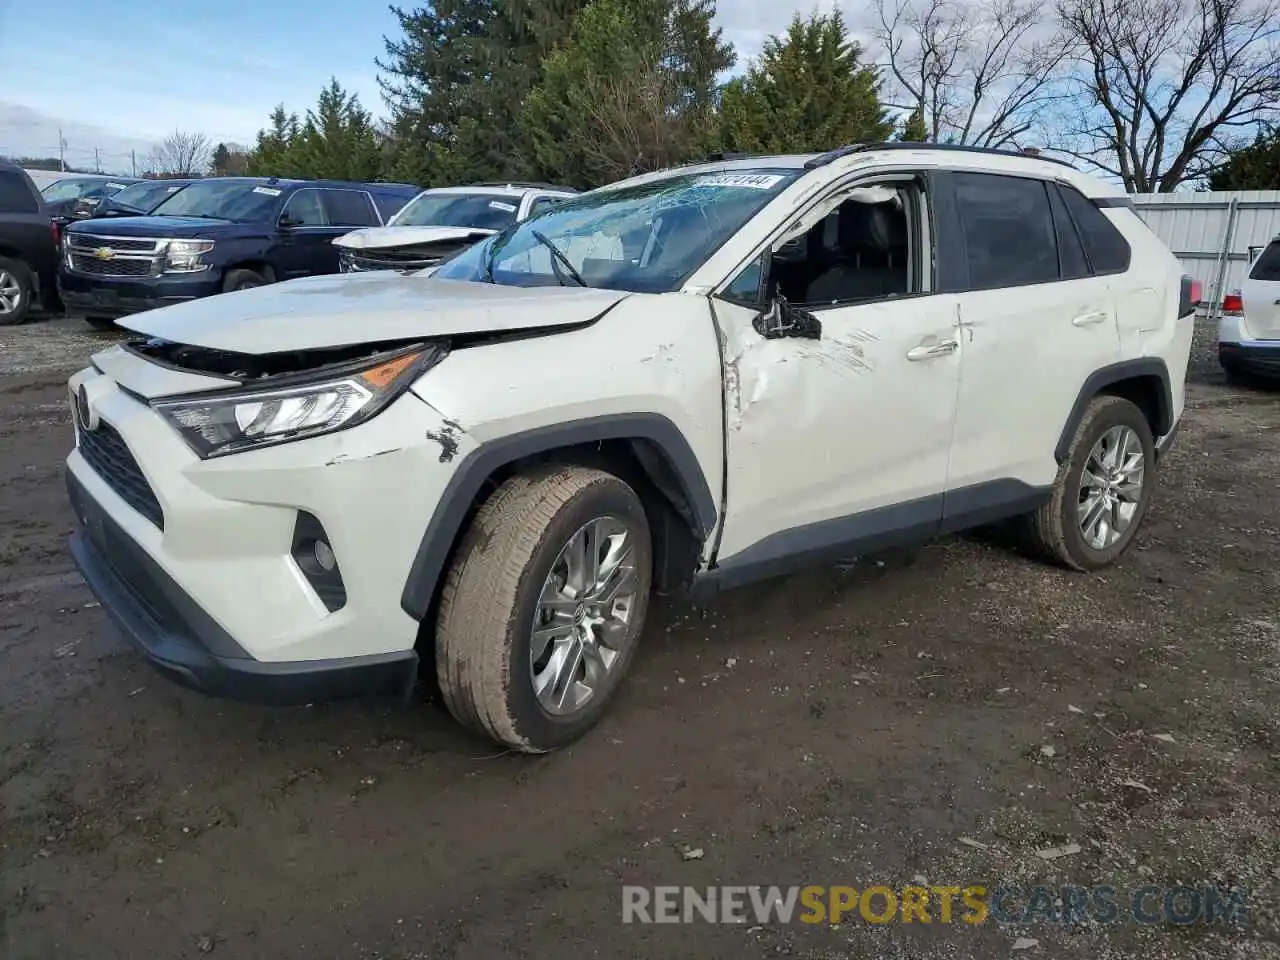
783 319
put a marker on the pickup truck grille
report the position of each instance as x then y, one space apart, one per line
351 262
109 456
114 256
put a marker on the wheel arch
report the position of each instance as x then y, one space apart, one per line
1144 381
647 450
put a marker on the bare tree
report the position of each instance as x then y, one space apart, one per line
977 72
181 155
1169 84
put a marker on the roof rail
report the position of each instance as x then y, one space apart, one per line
836 154
523 183
719 157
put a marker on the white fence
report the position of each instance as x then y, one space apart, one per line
1216 235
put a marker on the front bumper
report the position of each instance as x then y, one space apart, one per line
196 560
179 638
112 297
1258 357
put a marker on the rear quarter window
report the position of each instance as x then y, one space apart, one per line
15 195
1268 265
1106 248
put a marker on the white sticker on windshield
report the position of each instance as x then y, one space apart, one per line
499 205
172 189
756 181
115 186
267 191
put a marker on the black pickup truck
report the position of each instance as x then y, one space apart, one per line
28 248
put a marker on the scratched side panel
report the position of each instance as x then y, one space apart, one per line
653 353
827 428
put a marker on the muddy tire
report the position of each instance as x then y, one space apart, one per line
542 610
1101 492
242 279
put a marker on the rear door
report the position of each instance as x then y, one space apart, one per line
1036 322
1261 295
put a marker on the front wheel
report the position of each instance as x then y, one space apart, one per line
16 292
242 278
543 608
1101 492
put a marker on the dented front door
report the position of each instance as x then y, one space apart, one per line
842 438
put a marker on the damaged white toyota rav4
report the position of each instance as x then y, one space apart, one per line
690 379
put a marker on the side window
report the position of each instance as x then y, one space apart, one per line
862 248
304 209
543 204
1107 250
349 208
15 195
1071 260
1268 265
1008 229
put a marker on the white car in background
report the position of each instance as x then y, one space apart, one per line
438 223
1249 329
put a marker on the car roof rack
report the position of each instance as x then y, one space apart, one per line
719 157
525 184
831 155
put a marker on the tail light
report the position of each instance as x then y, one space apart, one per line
1192 295
1233 304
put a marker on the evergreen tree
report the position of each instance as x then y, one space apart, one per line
632 89
272 155
807 92
1255 167
337 142
913 128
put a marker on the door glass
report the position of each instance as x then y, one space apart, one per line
1008 229
349 208
305 210
15 195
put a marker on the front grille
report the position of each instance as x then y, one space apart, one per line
114 256
106 452
391 259
92 266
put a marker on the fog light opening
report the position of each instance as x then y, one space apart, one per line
315 557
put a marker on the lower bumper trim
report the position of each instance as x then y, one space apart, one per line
1255 358
186 661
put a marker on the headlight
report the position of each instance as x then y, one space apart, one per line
217 424
183 256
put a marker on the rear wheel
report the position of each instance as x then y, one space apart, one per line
100 323
242 278
16 292
1101 492
542 610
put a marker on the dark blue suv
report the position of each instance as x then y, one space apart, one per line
215 236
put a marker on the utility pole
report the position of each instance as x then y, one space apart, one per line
97 164
62 152
133 161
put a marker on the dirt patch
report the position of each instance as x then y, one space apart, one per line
949 719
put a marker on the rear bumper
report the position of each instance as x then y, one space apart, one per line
185 644
1259 357
109 297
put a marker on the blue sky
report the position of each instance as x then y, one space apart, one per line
120 75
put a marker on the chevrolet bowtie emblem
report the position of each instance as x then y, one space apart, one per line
104 253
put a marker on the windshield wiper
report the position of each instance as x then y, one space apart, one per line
560 256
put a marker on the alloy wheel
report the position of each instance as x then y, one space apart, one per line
1111 487
10 292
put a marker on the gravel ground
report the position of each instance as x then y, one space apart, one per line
949 719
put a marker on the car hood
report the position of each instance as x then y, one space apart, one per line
201 227
339 310
382 238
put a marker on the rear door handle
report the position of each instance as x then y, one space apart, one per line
931 351
1088 319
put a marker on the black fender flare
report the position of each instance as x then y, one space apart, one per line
1104 377
652 434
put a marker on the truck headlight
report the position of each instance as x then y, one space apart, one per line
183 256
346 395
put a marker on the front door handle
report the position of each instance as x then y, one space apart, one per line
1088 319
931 351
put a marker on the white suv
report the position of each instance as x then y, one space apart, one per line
440 222
1249 328
690 379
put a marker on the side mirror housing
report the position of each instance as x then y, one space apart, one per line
782 319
